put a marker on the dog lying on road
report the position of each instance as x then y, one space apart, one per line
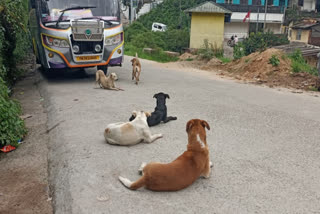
184 170
136 68
107 82
160 112
131 133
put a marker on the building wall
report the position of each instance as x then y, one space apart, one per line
274 27
304 36
315 36
309 5
206 26
236 28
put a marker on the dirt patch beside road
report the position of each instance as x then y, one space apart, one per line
255 68
24 185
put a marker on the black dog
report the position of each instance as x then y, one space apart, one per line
160 112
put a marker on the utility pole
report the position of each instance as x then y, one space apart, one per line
265 15
131 11
257 21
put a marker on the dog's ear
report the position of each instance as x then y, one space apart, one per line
134 113
148 114
205 124
189 125
155 96
167 96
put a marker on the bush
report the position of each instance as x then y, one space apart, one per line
258 42
158 54
238 51
299 64
169 13
208 51
11 126
13 34
274 60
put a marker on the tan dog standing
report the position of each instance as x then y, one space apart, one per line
183 171
136 68
106 82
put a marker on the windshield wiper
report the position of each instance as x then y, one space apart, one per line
72 8
101 19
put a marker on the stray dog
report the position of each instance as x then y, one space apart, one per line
160 112
184 170
107 82
130 133
136 68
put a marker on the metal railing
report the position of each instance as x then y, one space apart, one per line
253 8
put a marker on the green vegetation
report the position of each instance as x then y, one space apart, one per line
274 60
139 34
13 47
299 64
158 55
224 59
169 13
208 51
258 42
11 126
138 37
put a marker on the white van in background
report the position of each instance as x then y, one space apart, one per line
159 27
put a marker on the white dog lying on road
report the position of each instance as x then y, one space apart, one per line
130 133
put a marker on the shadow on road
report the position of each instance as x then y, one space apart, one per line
66 75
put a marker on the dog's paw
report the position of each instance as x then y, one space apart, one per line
126 182
143 164
160 135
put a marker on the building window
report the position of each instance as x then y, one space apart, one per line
300 3
298 37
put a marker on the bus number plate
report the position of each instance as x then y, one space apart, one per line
86 58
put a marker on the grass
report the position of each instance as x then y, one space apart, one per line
224 59
299 64
247 60
312 88
189 59
158 55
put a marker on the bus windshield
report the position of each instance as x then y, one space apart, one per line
107 10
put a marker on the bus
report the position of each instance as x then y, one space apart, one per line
73 34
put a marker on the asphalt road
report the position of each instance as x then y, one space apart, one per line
264 144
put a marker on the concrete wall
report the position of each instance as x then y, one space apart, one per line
274 27
309 5
270 18
304 36
236 28
206 26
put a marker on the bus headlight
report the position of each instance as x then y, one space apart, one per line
76 48
97 48
55 42
113 40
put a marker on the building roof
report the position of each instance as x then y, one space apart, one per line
305 24
208 7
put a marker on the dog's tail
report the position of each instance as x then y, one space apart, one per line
132 185
98 73
136 55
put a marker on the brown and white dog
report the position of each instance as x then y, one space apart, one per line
184 170
136 68
106 82
130 133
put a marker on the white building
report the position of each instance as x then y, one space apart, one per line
236 26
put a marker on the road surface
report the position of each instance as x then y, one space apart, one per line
264 144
